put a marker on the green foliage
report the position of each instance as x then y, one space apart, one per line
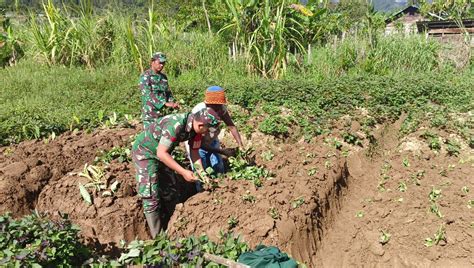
10 46
453 147
240 169
34 241
275 126
185 251
122 154
439 236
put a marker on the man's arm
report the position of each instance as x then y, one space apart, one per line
232 128
167 159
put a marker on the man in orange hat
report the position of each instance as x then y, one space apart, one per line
211 151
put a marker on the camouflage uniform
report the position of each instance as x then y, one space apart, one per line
168 131
155 93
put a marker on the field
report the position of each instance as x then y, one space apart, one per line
359 147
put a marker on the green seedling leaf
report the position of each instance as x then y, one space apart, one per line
360 214
297 202
470 204
384 237
106 193
85 194
465 189
429 242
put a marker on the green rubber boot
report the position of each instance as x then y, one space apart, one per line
154 223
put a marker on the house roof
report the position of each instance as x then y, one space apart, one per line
411 9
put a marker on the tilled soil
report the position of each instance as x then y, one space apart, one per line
308 208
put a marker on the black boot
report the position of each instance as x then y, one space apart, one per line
154 223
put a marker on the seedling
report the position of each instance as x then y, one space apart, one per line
439 236
360 214
453 147
351 139
122 154
434 208
267 155
327 164
95 175
384 237
274 213
465 189
405 162
312 172
434 194
232 222
247 197
402 187
470 204
297 202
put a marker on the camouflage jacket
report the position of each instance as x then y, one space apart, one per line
169 131
155 93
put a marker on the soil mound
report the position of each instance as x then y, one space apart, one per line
287 211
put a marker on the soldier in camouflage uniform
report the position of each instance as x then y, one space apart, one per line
151 154
155 92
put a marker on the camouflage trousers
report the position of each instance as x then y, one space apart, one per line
156 184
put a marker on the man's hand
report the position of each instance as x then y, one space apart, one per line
229 152
188 175
173 105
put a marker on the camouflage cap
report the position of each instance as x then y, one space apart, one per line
159 56
208 117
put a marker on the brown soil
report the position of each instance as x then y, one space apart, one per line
321 231
39 175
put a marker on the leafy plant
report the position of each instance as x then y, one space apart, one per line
241 169
351 138
434 194
232 222
384 237
402 187
434 208
439 236
172 252
274 213
247 197
297 202
267 155
35 241
122 154
405 162
359 214
453 147
274 125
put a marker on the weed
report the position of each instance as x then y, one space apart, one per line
274 213
384 237
232 222
297 202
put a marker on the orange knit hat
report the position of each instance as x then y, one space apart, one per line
215 95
